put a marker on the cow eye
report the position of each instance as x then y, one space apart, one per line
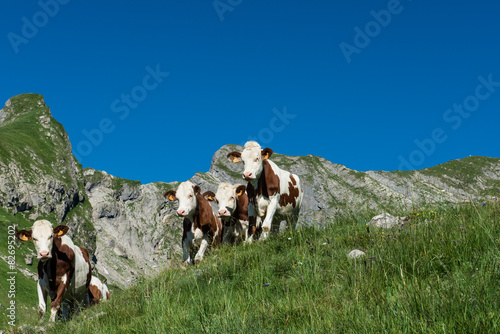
231 198
51 237
190 196
256 159
35 239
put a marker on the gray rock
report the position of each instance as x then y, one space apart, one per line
29 259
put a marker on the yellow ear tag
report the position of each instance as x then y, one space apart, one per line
240 193
265 156
61 232
24 238
210 198
171 197
236 159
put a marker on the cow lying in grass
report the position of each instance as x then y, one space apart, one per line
274 194
98 290
232 202
201 225
64 270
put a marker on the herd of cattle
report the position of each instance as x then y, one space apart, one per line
244 212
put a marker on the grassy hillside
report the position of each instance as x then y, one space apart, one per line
438 273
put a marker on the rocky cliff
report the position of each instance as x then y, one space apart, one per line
131 231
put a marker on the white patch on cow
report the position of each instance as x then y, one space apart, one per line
53 314
42 287
201 252
252 159
226 198
187 200
198 234
43 239
64 279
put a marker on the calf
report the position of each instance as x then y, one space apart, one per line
271 190
201 225
64 270
232 201
98 290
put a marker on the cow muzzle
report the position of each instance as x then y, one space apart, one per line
248 176
181 213
223 213
45 255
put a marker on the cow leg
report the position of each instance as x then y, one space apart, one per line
244 229
188 240
55 305
203 248
42 288
271 210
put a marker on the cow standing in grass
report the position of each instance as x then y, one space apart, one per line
201 227
232 201
64 270
274 194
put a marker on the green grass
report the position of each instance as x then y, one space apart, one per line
439 273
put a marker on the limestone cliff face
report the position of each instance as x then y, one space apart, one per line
131 231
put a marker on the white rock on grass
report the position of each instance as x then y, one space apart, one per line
385 220
356 253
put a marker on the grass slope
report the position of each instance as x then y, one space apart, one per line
438 273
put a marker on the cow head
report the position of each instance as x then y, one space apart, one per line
43 234
252 156
226 198
186 194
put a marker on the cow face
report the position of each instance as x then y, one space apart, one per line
252 156
43 234
186 194
227 196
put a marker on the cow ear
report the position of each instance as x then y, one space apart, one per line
197 190
266 153
234 156
23 235
209 196
170 195
240 190
60 230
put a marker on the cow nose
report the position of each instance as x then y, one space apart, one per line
43 254
223 212
181 212
247 175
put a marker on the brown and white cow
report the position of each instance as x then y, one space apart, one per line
232 202
201 226
274 194
64 270
98 290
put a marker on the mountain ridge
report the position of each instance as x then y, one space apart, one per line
132 232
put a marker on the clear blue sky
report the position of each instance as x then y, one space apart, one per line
368 84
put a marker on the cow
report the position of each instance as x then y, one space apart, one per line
64 270
98 290
232 201
274 194
201 226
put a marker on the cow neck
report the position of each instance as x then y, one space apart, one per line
241 211
267 184
203 211
50 266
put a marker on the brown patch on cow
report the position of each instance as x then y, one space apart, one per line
241 211
86 257
170 195
209 196
95 294
24 235
293 194
62 263
108 296
206 220
268 183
